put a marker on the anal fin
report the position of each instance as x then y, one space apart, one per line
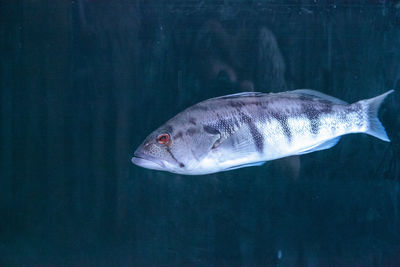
259 163
321 146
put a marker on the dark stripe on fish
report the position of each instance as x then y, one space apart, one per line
240 104
326 105
314 109
227 126
256 135
313 116
211 130
172 155
357 109
192 121
178 135
192 131
310 111
283 121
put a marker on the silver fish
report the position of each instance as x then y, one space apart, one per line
248 129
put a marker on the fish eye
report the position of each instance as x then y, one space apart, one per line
163 139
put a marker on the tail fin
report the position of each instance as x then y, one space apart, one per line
375 127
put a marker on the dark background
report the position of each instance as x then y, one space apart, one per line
83 82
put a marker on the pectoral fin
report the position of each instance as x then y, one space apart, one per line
203 145
237 145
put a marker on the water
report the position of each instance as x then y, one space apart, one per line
84 82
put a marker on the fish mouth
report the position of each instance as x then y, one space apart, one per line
146 161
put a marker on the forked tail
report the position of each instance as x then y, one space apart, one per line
374 126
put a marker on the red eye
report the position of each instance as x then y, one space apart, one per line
163 139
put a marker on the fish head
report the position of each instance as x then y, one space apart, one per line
177 147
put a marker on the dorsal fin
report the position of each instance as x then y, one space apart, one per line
308 92
239 95
319 95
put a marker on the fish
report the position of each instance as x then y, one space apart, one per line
249 128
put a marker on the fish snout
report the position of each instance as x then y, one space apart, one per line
146 161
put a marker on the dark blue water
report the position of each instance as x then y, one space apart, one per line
82 83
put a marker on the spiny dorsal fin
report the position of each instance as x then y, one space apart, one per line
239 95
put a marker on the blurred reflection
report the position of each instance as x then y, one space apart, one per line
244 58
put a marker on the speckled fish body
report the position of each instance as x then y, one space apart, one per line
247 129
